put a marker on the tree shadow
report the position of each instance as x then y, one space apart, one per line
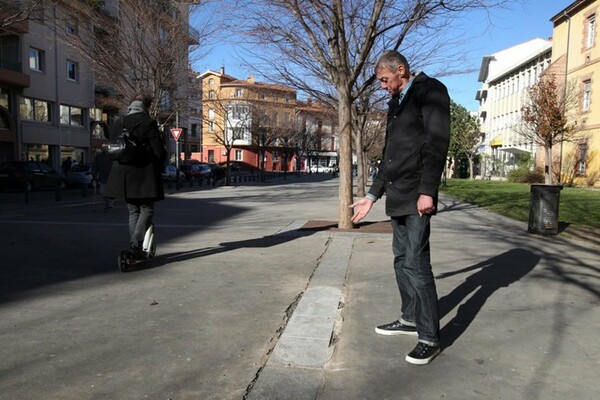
495 273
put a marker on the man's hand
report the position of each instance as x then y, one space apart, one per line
425 205
361 209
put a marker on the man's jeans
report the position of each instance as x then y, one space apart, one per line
140 218
415 277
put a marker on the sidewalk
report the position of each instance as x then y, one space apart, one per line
520 316
241 302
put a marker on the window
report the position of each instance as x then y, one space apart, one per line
211 81
211 126
34 110
211 114
72 71
581 162
591 31
194 132
71 28
211 156
238 155
212 94
587 95
36 59
71 115
238 92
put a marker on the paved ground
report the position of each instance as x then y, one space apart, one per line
247 298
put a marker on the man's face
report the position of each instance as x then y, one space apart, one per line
391 80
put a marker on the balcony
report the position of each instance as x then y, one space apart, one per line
11 75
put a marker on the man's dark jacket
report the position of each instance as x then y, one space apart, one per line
416 145
141 179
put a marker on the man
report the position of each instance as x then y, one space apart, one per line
416 145
101 172
139 182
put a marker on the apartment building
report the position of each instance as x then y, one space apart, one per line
46 88
191 140
55 102
576 55
506 77
252 121
318 142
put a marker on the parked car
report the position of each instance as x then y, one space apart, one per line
320 168
32 175
80 174
195 171
170 173
204 170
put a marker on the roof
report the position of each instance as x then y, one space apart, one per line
211 72
260 85
502 62
570 10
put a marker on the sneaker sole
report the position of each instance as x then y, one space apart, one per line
395 333
422 361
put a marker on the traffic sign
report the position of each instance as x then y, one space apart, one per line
176 132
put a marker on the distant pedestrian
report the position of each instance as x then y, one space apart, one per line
66 165
417 139
101 171
139 182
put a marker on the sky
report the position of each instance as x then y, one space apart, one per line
519 22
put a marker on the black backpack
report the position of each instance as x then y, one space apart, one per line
125 147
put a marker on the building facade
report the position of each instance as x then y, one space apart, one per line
54 100
46 89
264 126
576 52
506 77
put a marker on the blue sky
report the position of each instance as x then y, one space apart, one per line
519 22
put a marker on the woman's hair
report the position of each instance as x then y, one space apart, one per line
145 98
391 60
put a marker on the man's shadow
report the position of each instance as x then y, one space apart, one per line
497 272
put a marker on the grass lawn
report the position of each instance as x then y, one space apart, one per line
580 207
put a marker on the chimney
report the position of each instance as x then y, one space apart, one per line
222 70
250 79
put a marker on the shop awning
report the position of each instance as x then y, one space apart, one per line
497 141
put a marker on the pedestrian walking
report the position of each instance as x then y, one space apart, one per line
139 182
417 139
101 171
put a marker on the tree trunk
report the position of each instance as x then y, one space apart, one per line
345 188
471 167
548 166
360 165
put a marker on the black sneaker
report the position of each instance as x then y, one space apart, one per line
396 328
422 354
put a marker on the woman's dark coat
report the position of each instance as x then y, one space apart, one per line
416 145
141 179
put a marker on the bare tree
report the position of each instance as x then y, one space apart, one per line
135 46
333 41
547 119
14 13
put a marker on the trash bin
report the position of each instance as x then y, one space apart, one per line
543 211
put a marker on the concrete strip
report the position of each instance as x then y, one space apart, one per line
294 369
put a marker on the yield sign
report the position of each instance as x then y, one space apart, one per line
176 132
